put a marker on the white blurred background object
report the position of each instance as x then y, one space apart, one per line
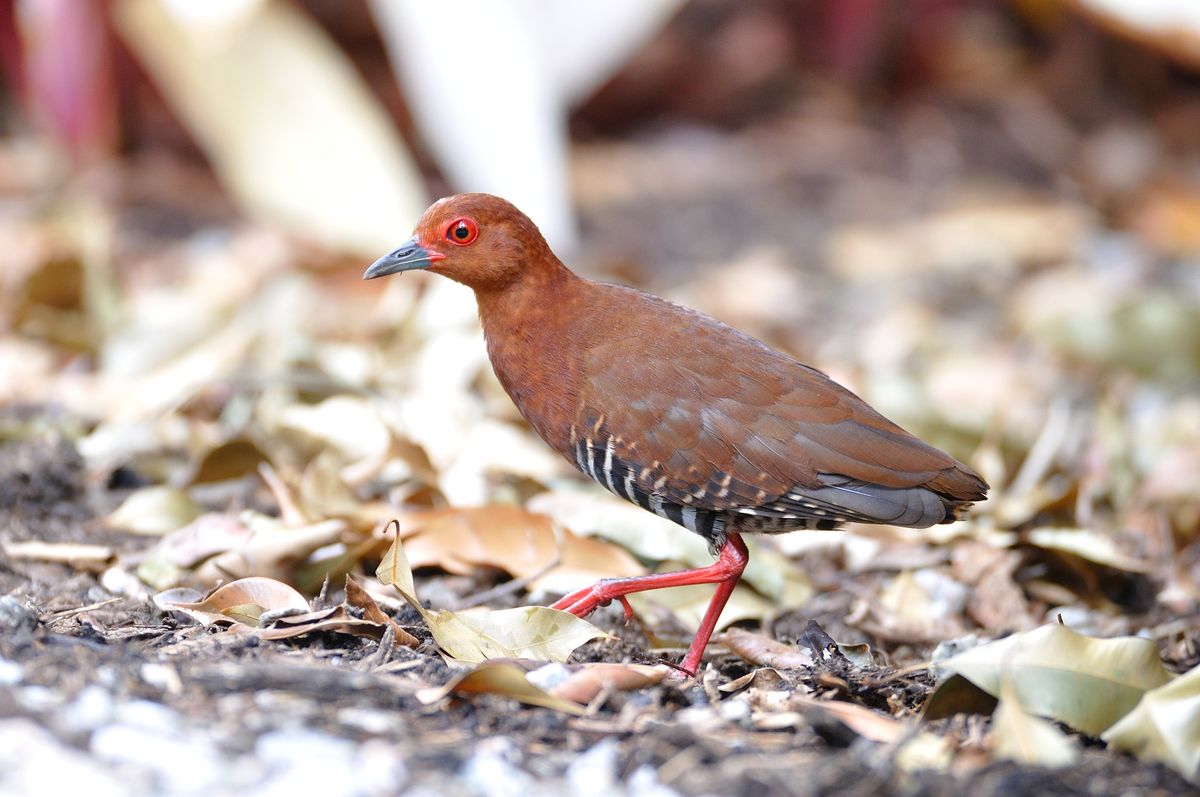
490 83
1170 26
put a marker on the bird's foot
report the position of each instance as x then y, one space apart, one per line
724 572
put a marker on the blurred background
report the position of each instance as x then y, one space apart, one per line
982 216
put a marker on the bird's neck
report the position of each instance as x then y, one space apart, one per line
530 326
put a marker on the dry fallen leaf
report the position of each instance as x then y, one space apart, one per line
526 632
270 548
519 542
535 632
957 695
760 649
336 618
395 571
153 511
499 678
1055 672
866 723
348 424
763 681
1086 544
77 554
233 459
647 536
857 653
920 605
260 602
1164 726
359 598
594 513
231 600
996 601
1019 736
208 535
588 680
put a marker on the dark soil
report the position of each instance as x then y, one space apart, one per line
241 688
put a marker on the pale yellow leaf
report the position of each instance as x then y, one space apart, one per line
1084 682
534 632
1019 736
643 533
1165 725
244 613
925 751
153 511
349 424
394 571
648 536
1085 544
526 632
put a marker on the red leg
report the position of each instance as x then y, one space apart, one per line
724 572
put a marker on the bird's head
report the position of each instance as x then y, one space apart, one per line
479 240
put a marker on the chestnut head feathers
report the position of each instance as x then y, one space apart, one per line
479 240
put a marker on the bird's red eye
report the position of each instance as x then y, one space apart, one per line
462 231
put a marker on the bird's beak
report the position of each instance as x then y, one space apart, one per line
411 255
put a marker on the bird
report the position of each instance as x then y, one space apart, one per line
673 410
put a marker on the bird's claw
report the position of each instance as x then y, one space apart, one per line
586 601
580 604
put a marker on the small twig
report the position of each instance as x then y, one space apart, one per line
289 510
678 669
1045 448
597 702
507 588
400 666
895 675
382 654
65 613
674 767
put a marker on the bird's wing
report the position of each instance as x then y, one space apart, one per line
707 416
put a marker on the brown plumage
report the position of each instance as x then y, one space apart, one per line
673 410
